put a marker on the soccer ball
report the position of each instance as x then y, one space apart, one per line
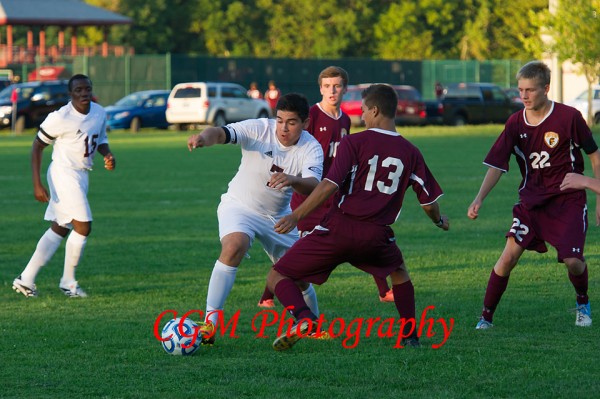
174 345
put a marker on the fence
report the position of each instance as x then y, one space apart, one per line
115 77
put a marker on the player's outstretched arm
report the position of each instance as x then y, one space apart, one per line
433 211
595 160
206 138
39 191
302 185
489 181
575 181
110 163
324 190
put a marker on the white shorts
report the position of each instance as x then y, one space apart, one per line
68 195
235 218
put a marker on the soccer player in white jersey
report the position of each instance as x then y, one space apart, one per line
76 131
278 157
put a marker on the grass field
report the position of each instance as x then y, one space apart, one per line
154 243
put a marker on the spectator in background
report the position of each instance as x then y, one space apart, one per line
439 90
272 96
253 91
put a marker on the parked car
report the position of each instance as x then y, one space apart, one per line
410 111
513 94
473 103
35 100
581 103
139 109
216 103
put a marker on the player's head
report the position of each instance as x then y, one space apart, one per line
380 96
76 77
294 102
80 90
533 81
333 83
334 72
292 118
535 70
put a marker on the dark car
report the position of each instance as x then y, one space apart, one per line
513 94
410 110
139 109
35 100
473 103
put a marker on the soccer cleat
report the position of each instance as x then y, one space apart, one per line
207 333
483 324
323 335
73 290
411 342
298 331
29 292
389 297
267 303
583 315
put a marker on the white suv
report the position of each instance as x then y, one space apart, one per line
216 103
581 103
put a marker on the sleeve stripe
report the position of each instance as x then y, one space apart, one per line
495 167
420 181
230 135
42 131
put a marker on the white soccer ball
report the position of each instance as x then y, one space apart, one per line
180 339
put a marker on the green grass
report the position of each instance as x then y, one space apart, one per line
153 246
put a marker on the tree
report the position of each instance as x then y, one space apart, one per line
575 32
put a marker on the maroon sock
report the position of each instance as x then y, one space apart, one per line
266 295
382 286
289 294
404 299
580 283
493 294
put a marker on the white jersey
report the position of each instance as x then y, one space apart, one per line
263 155
75 136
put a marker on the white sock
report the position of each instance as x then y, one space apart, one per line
310 297
45 249
73 252
219 287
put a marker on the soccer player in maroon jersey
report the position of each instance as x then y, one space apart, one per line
328 124
546 138
369 175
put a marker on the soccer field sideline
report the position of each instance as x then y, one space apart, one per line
155 240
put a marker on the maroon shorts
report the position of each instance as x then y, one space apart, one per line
562 222
369 247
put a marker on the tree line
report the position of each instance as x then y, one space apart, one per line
383 29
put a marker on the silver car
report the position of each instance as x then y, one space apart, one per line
581 103
212 103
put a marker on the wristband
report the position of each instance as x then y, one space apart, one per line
440 223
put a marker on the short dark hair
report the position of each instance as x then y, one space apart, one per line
294 102
78 76
383 97
334 72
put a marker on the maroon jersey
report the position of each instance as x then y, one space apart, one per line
544 153
329 132
373 170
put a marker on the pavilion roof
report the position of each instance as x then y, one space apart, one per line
57 13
